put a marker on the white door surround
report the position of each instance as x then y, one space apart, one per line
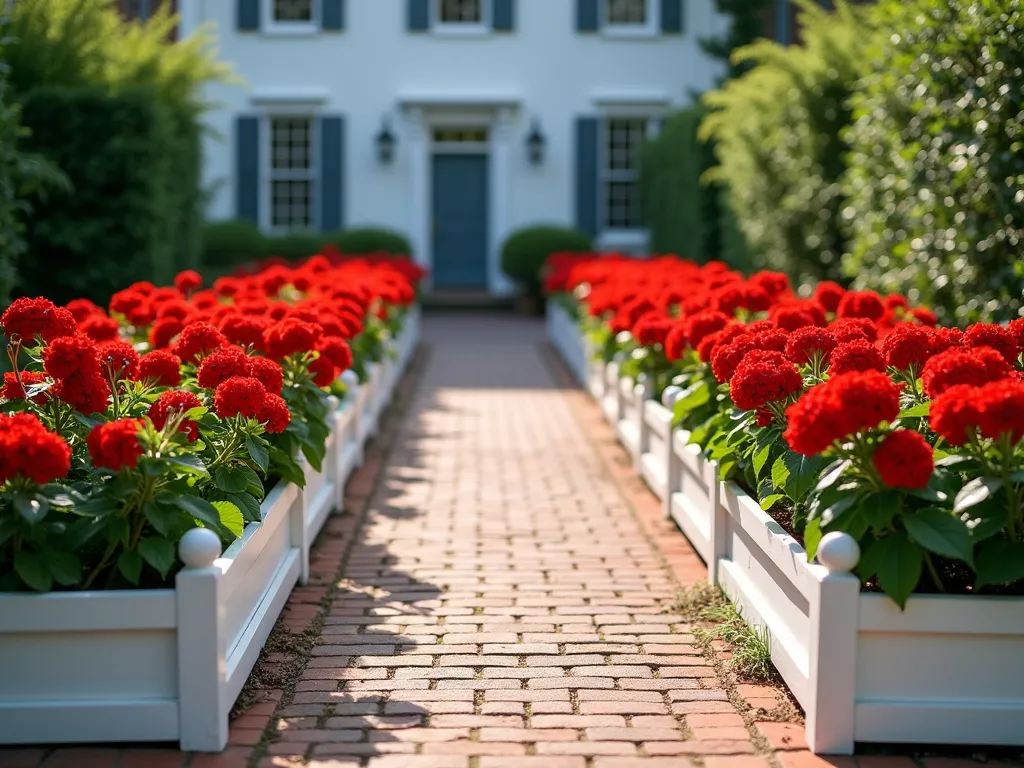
424 114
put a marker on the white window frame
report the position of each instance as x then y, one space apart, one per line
651 28
274 27
465 29
619 238
268 175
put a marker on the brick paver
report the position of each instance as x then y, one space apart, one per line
499 596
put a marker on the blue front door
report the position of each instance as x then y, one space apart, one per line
460 221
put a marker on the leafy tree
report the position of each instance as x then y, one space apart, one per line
747 24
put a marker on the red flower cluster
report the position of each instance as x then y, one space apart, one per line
904 460
994 409
975 366
31 451
762 377
291 337
29 318
161 368
176 402
116 445
239 395
907 346
839 407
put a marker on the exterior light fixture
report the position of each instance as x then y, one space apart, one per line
386 142
535 142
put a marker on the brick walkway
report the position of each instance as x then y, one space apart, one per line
493 599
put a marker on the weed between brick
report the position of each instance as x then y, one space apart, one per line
750 645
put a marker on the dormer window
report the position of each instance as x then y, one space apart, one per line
293 11
461 12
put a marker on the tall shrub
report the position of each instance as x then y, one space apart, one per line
777 133
936 181
113 227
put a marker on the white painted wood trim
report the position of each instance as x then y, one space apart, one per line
88 611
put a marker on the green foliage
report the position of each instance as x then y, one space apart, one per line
86 42
747 24
681 213
21 174
229 244
119 222
371 240
295 245
936 184
525 251
777 133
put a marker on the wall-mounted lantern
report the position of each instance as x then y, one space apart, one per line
535 142
386 142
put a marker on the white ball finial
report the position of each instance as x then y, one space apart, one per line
199 547
350 379
670 395
838 552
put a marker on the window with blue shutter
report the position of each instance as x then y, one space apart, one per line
332 15
247 168
332 172
418 12
248 15
672 12
504 15
587 129
782 21
588 15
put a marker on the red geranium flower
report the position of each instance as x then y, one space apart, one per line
83 308
120 358
976 366
856 355
810 342
161 367
244 330
100 328
652 328
239 395
904 460
1002 409
274 414
866 304
324 371
763 377
197 340
789 317
176 402
774 283
86 392
337 351
907 345
174 308
221 365
69 355
116 445
1002 340
954 411
30 450
291 337
945 338
188 281
29 318
851 328
829 294
925 316
1016 327
841 406
269 374
712 341
703 324
163 332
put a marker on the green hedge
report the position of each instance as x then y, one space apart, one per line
132 204
778 138
525 251
230 244
936 181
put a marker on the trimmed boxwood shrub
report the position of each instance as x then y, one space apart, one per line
371 240
525 251
936 180
119 222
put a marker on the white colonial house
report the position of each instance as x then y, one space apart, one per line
454 122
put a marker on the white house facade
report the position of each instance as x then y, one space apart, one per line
500 114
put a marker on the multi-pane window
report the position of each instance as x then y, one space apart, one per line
291 172
461 12
623 138
626 12
293 10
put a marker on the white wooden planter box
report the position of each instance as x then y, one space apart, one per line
631 425
610 399
349 454
692 498
656 447
948 670
150 665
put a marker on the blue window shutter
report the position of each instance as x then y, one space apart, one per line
247 168
332 172
672 17
419 15
782 21
332 15
504 15
249 15
587 16
587 192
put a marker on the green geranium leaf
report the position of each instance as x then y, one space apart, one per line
898 562
130 566
770 500
258 452
916 411
31 569
230 517
942 533
159 553
802 474
230 480
65 567
812 537
999 562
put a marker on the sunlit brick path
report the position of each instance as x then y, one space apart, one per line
501 605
